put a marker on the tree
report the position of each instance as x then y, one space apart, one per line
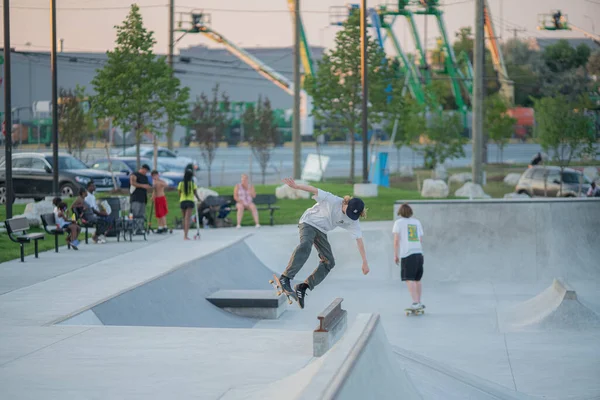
593 64
135 88
71 120
336 86
561 56
497 123
444 138
261 131
563 129
210 120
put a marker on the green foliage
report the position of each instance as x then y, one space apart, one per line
497 123
445 140
71 120
135 88
563 129
593 64
209 122
261 131
336 86
561 57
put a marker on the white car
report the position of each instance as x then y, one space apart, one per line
169 159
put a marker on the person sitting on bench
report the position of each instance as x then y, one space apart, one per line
244 195
62 222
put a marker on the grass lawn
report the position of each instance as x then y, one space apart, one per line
379 209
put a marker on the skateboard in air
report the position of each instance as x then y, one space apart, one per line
413 311
277 285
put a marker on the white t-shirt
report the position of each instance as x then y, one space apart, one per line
327 215
60 221
90 200
410 232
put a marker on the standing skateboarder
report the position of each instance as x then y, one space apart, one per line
408 234
330 212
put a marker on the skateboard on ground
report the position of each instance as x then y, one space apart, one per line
410 311
277 285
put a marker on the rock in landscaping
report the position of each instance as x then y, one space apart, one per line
440 172
515 196
286 192
205 192
512 179
407 171
472 191
591 172
461 178
35 209
434 188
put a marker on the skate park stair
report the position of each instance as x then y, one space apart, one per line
333 322
263 304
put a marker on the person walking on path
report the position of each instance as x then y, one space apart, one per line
329 213
187 192
408 251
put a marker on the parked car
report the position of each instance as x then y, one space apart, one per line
169 159
123 167
546 181
33 176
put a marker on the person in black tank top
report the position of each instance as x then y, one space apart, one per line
139 191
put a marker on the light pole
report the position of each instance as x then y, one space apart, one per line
54 100
478 61
7 126
365 91
296 122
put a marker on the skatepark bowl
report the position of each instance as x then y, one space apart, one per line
511 289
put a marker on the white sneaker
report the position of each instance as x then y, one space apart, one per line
415 306
257 226
238 227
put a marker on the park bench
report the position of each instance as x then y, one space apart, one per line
17 228
263 202
49 222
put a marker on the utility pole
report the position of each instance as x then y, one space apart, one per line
55 187
7 127
365 92
296 126
515 31
478 58
171 128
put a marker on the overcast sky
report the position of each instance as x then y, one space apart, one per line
88 25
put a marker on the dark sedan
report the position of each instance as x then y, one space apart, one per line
123 167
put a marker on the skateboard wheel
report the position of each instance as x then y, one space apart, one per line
271 281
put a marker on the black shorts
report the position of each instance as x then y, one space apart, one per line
186 204
412 267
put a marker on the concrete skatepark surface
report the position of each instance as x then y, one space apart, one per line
485 261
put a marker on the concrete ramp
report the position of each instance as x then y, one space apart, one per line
360 366
556 308
509 241
178 298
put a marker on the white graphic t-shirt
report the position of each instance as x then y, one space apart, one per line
410 232
327 215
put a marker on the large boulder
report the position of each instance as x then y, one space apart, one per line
434 188
472 191
440 172
286 192
512 179
591 172
205 192
461 178
406 171
35 209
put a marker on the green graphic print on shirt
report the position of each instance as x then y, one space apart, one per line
413 234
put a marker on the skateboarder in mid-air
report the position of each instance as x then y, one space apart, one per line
330 212
408 233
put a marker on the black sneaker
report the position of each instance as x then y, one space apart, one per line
301 293
286 287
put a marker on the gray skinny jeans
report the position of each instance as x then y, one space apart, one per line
310 236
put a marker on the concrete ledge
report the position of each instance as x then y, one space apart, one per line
264 304
333 322
365 189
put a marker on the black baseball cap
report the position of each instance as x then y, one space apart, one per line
355 207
